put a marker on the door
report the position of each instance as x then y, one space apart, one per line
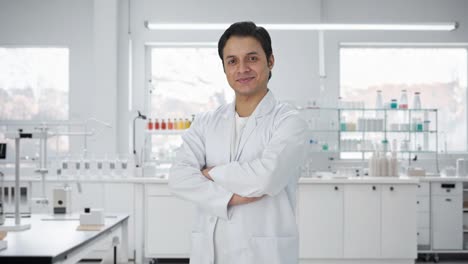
447 228
399 231
320 221
362 221
168 223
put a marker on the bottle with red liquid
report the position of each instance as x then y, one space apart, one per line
170 125
163 125
403 100
150 124
156 124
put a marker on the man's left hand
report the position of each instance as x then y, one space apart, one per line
205 173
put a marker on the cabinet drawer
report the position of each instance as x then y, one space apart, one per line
446 188
423 220
422 203
423 236
423 188
157 190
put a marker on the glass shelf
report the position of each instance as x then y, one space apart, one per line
387 131
367 109
166 132
400 151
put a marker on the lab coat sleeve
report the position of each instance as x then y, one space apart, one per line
186 180
277 165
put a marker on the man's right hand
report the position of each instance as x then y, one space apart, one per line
237 200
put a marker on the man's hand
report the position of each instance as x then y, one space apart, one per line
205 173
237 200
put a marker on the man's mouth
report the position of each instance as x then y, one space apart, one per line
245 80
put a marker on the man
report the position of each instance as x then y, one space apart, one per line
240 163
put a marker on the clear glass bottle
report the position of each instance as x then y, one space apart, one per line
417 100
379 100
404 100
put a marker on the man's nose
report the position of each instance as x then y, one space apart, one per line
243 67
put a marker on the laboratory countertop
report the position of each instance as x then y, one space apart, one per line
303 180
51 239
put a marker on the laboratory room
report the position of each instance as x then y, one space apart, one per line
233 132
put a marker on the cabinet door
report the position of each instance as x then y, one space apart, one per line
399 231
447 216
168 223
320 220
362 221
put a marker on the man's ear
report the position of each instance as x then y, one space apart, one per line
271 61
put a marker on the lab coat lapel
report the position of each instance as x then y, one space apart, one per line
227 132
263 108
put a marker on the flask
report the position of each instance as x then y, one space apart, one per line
170 125
378 100
156 124
150 124
417 101
180 124
404 100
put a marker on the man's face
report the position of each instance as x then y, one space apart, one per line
246 66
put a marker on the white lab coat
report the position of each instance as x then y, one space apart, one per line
268 160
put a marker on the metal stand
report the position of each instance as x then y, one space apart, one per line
18 226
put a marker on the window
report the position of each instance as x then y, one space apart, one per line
34 83
185 80
34 87
439 74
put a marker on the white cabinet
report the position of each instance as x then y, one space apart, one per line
447 216
320 218
357 221
362 221
168 223
398 221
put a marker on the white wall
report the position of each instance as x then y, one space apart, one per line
88 29
107 52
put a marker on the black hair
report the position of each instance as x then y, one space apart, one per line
246 29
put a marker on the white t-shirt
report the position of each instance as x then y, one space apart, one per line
221 238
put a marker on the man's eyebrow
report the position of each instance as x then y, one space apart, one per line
250 53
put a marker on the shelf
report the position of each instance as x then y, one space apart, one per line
387 131
165 132
406 151
367 109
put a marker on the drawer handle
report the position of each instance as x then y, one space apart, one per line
336 188
448 200
374 188
391 188
417 202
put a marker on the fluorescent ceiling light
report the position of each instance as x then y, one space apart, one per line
411 27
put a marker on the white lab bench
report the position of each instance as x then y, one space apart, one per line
341 220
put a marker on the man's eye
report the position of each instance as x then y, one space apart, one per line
253 59
231 61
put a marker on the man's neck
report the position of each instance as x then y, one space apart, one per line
246 104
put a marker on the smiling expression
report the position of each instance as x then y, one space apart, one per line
246 66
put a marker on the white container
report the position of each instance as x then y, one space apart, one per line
461 167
